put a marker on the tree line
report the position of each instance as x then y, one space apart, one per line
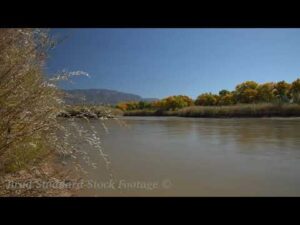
248 92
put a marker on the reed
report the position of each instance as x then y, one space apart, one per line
240 110
243 110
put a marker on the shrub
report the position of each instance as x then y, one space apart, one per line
28 102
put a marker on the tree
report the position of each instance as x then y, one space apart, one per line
122 105
144 105
158 104
246 92
266 92
224 92
207 99
282 91
176 102
295 91
226 99
172 103
132 105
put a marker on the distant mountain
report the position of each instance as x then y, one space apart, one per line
101 96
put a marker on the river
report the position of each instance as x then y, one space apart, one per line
171 156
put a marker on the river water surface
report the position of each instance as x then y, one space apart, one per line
170 156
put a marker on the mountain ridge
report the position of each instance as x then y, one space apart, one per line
101 96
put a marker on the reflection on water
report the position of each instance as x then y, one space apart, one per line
198 157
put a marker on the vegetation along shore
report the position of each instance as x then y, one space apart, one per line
249 99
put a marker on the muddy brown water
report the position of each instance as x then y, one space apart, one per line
171 156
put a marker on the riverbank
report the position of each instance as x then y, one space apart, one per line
47 179
245 110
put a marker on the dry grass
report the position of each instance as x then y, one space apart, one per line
241 110
149 112
246 110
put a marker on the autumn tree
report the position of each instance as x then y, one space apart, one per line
223 92
246 92
266 92
132 105
160 104
227 99
172 103
122 105
207 99
295 91
282 91
176 102
144 105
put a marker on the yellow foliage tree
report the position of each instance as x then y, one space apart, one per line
246 92
266 92
207 99
295 91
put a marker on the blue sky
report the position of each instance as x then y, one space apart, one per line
162 62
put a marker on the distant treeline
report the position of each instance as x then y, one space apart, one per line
249 92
